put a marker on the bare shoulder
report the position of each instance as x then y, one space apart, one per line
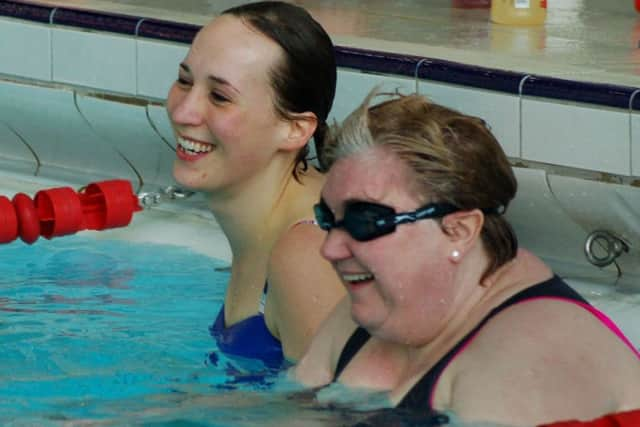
303 287
317 366
296 260
300 239
544 358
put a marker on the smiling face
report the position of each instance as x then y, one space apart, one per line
399 280
221 107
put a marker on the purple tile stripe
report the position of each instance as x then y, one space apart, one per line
26 11
429 69
95 21
347 57
171 31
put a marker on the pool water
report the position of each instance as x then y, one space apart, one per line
113 333
87 321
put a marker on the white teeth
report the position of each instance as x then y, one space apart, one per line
194 147
357 277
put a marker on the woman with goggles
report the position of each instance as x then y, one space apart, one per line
445 313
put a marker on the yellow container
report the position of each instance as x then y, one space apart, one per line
518 12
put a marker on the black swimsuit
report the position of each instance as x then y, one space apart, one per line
419 397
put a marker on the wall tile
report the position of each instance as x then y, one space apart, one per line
25 49
604 206
101 61
575 135
47 119
15 154
158 66
353 86
500 111
160 122
543 227
128 131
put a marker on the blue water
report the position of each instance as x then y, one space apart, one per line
85 321
112 333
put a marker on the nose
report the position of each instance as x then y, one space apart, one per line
186 106
335 248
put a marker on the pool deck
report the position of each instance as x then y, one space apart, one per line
586 40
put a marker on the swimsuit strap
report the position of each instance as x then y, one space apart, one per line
357 340
263 298
421 393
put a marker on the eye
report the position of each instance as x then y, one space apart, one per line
183 81
218 98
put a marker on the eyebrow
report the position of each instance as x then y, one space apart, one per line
212 78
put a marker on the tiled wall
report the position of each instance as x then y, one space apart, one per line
79 101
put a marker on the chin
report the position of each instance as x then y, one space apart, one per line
362 316
187 179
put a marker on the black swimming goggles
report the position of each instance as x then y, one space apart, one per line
367 221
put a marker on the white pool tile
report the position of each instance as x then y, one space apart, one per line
160 122
599 205
36 113
96 60
500 111
353 87
158 66
15 154
603 206
543 226
580 136
128 131
18 39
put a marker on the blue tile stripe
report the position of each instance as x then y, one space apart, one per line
348 57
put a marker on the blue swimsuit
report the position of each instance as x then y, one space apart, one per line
249 340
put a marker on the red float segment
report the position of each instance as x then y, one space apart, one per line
108 204
61 211
619 419
28 222
8 221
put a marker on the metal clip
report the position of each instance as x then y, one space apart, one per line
153 198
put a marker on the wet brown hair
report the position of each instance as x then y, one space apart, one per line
454 159
305 80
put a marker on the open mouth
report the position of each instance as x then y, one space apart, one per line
193 148
357 279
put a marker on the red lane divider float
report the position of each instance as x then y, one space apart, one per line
619 419
62 211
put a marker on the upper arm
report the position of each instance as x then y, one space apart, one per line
303 288
540 361
317 366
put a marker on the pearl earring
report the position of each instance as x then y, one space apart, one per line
455 254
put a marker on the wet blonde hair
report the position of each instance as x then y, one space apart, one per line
454 158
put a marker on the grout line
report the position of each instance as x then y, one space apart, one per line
137 63
520 88
633 95
51 15
415 74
